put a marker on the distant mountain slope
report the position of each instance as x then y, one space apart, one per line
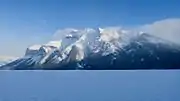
6 59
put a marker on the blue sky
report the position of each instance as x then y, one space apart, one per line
53 14
26 22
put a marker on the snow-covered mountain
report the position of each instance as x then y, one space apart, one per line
102 48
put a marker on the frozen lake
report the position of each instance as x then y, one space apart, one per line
142 85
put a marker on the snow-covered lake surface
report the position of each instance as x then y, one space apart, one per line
150 85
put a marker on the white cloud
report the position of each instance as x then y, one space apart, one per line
168 29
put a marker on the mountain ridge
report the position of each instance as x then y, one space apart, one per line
117 48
